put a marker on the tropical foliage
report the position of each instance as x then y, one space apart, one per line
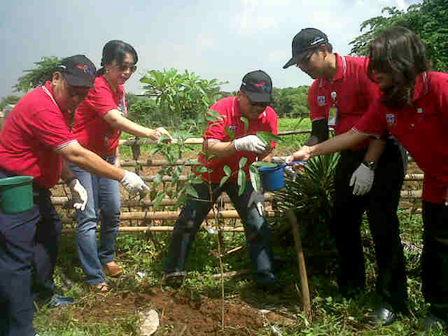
427 19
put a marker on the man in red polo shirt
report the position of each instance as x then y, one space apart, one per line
251 103
364 181
36 141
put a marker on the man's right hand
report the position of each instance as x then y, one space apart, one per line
133 183
250 143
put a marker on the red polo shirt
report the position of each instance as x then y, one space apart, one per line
354 92
33 132
229 109
91 130
421 129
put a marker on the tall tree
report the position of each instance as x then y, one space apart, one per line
427 19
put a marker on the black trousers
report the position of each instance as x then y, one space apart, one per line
381 205
435 258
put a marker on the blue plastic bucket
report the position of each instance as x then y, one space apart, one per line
272 178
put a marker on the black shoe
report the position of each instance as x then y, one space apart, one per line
265 279
383 316
432 322
174 279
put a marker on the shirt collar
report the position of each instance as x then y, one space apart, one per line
339 68
421 86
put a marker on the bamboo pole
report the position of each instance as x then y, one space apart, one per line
169 215
306 302
158 229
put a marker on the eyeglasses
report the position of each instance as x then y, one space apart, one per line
126 66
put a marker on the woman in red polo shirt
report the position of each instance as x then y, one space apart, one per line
414 108
98 124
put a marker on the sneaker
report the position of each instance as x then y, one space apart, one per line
174 279
55 301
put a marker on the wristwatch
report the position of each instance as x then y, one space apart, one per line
369 164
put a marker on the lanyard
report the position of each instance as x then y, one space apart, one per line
334 94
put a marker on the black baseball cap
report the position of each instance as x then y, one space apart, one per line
78 70
306 39
257 85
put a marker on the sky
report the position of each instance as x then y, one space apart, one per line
222 39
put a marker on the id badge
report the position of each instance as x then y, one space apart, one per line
333 116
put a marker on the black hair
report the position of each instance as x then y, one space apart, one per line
115 50
399 52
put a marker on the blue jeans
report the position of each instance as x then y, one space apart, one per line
104 195
28 251
256 229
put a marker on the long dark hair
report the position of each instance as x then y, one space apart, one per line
115 50
399 52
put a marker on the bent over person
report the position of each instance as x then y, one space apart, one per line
251 103
36 141
367 178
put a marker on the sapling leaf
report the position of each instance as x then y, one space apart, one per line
201 169
264 164
246 123
153 194
223 180
154 151
159 200
241 181
267 137
255 178
230 133
191 191
227 170
242 162
157 179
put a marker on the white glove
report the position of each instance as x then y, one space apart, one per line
250 143
79 194
133 183
362 178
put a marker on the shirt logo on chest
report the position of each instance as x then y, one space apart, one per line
390 118
321 100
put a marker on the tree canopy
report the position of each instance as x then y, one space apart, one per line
427 19
39 75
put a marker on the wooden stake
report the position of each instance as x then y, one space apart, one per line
301 260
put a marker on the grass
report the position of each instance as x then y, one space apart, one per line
332 315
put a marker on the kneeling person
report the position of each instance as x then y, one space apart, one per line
251 103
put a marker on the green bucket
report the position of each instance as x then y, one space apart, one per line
16 194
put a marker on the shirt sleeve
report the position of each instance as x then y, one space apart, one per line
51 129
